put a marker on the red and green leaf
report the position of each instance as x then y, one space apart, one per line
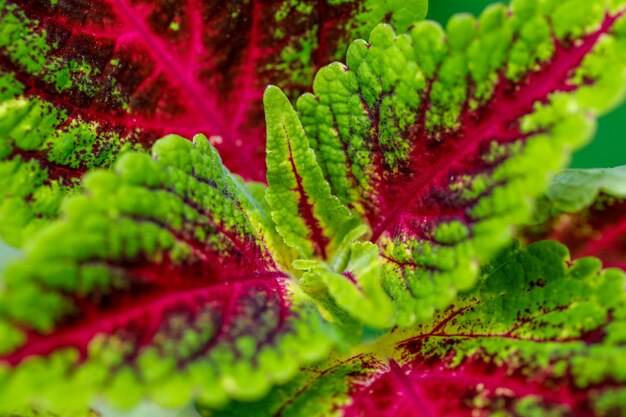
441 141
81 83
585 210
307 215
540 335
157 283
168 278
343 275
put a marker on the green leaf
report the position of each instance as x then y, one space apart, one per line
353 288
157 283
82 83
575 189
441 140
586 211
539 336
307 216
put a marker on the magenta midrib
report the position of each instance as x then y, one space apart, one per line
195 29
170 65
80 335
540 85
306 210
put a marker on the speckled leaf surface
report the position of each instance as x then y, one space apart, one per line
81 83
539 336
306 214
441 139
389 189
585 210
334 267
156 283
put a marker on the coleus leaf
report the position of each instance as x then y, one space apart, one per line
539 336
157 283
349 289
343 275
82 83
586 211
441 140
306 214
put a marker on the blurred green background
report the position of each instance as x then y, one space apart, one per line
607 150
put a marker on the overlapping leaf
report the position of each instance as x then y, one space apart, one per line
82 82
342 274
442 140
586 211
538 337
170 279
157 283
306 214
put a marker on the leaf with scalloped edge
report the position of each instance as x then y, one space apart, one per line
157 282
586 211
81 83
441 140
539 336
342 274
306 214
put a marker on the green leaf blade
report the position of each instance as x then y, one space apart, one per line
540 335
584 210
441 140
307 215
156 283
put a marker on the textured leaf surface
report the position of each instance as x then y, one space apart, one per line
540 336
343 275
156 283
441 140
585 210
82 82
307 216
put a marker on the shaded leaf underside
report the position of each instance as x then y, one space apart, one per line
537 337
82 82
585 210
441 141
